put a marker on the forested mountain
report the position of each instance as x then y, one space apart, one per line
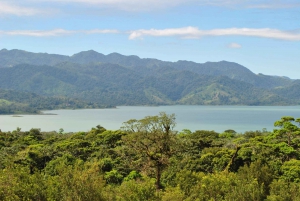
111 84
230 69
15 102
10 58
292 91
116 79
234 71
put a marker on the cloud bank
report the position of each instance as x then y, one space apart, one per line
12 9
194 32
183 33
56 32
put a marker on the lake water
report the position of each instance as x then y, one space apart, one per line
218 118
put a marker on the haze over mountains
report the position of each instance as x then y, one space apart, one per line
116 79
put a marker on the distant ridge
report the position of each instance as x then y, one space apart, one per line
115 79
9 58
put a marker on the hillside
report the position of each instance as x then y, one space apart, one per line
15 102
292 91
110 84
9 58
115 79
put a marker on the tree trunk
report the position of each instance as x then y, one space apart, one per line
158 176
232 159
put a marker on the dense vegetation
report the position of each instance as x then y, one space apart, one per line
148 160
14 102
115 79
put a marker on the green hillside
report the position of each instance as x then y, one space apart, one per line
111 84
15 102
115 79
292 91
9 58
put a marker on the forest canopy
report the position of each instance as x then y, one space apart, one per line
147 159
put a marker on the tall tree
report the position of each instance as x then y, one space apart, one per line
152 142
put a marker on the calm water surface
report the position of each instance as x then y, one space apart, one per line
218 118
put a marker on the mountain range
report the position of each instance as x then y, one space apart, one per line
115 79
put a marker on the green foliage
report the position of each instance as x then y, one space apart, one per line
173 194
110 139
55 166
17 184
133 175
284 191
148 160
142 190
288 131
291 171
113 177
153 140
77 182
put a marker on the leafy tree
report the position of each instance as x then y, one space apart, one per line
142 190
173 194
113 177
152 141
282 190
288 130
291 171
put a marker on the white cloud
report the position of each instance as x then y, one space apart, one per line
193 32
55 32
37 33
185 33
12 9
234 45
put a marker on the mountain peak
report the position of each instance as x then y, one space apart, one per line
93 52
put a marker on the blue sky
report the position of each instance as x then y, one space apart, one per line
262 35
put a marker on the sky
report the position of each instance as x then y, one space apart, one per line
262 35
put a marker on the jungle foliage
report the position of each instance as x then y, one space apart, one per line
148 160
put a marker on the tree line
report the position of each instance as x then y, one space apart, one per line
20 102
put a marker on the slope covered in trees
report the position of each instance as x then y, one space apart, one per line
111 84
116 79
15 102
9 58
147 159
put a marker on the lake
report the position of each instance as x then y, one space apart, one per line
218 118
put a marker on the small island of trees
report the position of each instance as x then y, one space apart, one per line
147 159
